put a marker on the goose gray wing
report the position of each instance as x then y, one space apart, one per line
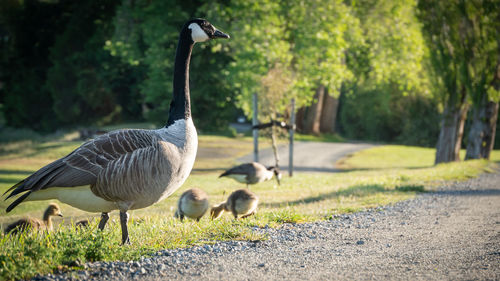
84 164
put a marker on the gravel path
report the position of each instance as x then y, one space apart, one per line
450 234
325 155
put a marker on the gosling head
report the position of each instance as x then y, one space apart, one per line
217 210
53 210
201 30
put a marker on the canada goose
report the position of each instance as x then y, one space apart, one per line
45 224
252 173
193 203
241 202
128 169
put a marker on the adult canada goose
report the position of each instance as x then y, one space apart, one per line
241 202
128 169
252 173
193 203
45 224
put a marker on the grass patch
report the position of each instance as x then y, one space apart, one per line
379 176
320 138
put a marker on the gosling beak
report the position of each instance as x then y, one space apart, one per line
220 34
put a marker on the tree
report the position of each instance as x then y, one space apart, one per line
462 36
30 29
479 31
83 76
441 28
390 88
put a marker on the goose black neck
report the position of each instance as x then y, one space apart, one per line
180 107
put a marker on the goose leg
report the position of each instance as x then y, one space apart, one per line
246 216
123 221
104 220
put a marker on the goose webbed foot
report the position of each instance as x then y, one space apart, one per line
104 220
123 221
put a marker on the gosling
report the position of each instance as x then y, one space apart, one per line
81 224
36 224
193 204
241 202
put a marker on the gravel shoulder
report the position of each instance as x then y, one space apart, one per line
450 234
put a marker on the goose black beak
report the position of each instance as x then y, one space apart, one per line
220 34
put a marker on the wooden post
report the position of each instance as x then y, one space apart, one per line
255 122
291 132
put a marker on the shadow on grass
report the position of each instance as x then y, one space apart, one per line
358 191
9 181
342 170
480 192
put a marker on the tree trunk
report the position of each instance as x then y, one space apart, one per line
299 119
490 130
329 114
452 127
482 132
313 113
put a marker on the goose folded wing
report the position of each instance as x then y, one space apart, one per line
83 165
243 169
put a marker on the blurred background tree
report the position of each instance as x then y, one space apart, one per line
371 70
463 37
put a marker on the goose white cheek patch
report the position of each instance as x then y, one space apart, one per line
197 34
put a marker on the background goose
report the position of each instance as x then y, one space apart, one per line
193 203
241 202
252 173
128 169
46 223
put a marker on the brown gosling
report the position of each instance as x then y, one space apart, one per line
36 224
82 224
193 204
241 202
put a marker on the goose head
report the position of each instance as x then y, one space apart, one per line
277 173
201 30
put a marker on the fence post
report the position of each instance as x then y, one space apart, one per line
291 132
255 122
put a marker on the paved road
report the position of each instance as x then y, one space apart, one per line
450 234
309 156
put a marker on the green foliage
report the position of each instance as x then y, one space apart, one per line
386 115
463 38
86 83
31 28
320 33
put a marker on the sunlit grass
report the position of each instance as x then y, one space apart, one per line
375 177
393 156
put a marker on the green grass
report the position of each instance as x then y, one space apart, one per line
320 138
379 176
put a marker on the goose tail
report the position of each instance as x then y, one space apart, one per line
18 201
36 181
